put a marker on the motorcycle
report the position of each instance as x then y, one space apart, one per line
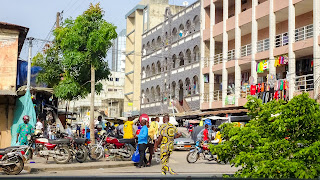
201 150
78 149
58 149
120 147
12 160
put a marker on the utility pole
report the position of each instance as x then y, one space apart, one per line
30 39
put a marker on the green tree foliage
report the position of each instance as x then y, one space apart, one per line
281 140
78 44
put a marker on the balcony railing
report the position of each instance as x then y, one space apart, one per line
246 50
304 32
263 45
206 62
217 95
282 39
218 58
304 83
206 97
231 54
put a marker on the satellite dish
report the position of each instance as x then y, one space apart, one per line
185 3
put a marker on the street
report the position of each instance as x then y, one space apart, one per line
177 161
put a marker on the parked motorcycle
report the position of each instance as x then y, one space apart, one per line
201 150
11 160
78 149
58 149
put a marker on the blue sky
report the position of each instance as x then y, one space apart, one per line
39 15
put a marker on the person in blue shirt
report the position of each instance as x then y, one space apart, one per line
143 143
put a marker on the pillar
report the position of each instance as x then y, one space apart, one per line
212 53
201 80
316 48
225 52
237 74
292 57
272 36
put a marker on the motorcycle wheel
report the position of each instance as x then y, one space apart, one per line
96 152
15 168
29 154
63 156
129 151
81 154
192 157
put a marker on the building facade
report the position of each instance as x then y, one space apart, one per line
108 103
146 15
12 38
172 48
116 54
267 48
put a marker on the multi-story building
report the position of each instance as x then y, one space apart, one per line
109 102
144 16
116 54
12 38
172 48
271 45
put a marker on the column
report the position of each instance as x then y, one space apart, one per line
237 74
212 52
201 80
225 52
272 36
254 40
292 57
316 48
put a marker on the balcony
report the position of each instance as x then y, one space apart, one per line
217 95
206 62
246 50
218 58
263 45
282 39
231 54
304 33
304 83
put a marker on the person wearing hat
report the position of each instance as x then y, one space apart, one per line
24 130
142 142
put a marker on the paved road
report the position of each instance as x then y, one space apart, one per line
177 161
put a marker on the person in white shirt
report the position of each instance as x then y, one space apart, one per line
39 127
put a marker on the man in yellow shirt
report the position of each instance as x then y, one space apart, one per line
128 132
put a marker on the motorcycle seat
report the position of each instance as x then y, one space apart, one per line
59 141
127 141
80 140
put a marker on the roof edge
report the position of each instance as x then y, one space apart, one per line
139 6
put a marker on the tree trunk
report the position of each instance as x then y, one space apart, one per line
92 105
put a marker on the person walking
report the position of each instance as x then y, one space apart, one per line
39 127
142 143
152 132
24 130
206 134
168 133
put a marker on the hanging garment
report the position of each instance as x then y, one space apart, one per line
284 84
276 62
281 85
262 87
265 65
253 90
259 88
271 95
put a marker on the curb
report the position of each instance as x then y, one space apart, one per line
35 170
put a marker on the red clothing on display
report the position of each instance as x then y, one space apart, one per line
253 90
259 87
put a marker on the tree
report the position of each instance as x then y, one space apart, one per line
280 141
78 51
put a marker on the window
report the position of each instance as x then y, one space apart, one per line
109 90
115 90
117 79
110 79
244 2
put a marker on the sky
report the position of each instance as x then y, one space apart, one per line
40 15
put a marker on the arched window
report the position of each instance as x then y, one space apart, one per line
174 35
196 22
166 43
181 31
148 70
196 53
181 92
153 69
153 44
147 95
188 56
158 93
188 27
188 86
148 48
166 64
152 95
144 51
143 97
174 61
181 58
195 85
159 42
158 67
143 72
173 89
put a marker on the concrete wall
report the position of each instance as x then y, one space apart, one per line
7 106
8 59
